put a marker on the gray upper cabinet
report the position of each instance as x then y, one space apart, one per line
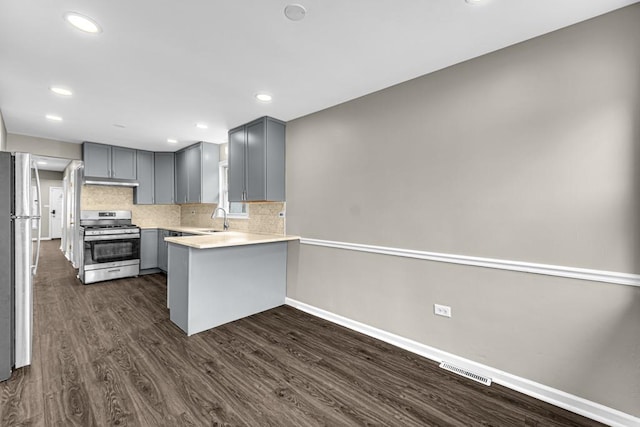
97 159
194 173
107 161
144 194
182 179
257 161
164 178
197 174
236 168
123 163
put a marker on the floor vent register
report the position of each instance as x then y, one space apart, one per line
465 373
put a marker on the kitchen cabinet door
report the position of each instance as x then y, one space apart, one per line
197 173
143 194
164 170
255 186
148 249
194 173
237 169
275 160
210 179
97 160
123 163
162 250
257 161
182 179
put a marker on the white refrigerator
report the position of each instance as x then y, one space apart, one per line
19 225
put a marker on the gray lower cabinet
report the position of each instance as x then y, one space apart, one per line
148 249
257 161
144 193
163 253
162 250
164 172
197 174
108 161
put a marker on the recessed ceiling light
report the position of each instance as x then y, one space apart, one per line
53 118
172 141
473 1
295 12
118 125
264 97
201 126
60 91
82 23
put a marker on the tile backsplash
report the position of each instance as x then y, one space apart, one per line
97 197
263 217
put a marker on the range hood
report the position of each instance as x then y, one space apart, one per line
92 180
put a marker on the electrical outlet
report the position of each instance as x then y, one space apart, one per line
441 310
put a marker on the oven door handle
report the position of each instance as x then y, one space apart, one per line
112 237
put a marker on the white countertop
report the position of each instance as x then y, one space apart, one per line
224 239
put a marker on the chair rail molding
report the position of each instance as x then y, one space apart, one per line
525 267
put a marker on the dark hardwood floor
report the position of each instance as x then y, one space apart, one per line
107 354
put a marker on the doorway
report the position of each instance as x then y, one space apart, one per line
56 198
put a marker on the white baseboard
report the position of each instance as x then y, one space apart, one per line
539 391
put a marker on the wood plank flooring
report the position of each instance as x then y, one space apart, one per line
107 354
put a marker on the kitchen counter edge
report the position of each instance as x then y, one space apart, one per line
227 239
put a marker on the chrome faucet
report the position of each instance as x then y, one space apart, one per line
225 224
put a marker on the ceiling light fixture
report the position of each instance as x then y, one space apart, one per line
82 23
295 12
473 1
118 125
53 118
60 91
172 141
201 126
263 97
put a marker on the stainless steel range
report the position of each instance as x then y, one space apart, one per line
111 246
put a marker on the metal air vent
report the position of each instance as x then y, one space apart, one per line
465 373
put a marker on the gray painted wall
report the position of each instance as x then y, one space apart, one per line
529 153
44 147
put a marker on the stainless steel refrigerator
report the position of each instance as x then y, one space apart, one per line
19 223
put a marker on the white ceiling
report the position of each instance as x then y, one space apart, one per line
160 66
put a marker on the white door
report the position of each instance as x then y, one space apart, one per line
56 196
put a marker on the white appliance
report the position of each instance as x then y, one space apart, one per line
19 259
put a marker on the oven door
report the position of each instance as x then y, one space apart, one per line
104 251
